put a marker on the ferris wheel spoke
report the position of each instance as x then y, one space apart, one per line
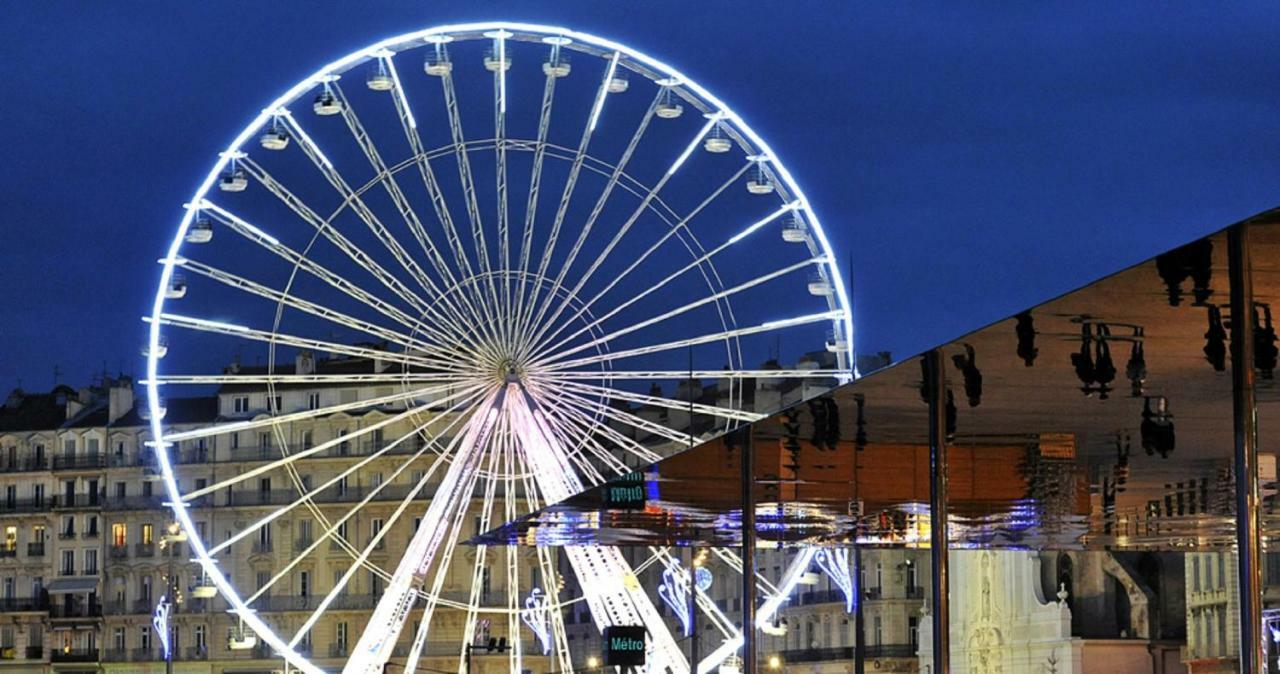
535 185
626 418
333 279
622 230
570 183
589 427
251 334
701 339
618 171
469 197
312 451
500 156
587 471
363 212
306 498
661 375
715 297
360 561
438 202
657 401
673 230
331 315
402 205
322 379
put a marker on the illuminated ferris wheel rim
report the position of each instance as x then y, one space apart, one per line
690 91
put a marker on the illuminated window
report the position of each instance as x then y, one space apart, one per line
11 538
148 534
119 534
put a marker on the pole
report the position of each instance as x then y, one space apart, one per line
1245 426
173 606
748 554
936 386
693 611
859 622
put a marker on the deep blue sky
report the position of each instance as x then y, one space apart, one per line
971 160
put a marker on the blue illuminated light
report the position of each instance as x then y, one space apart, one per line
835 563
160 620
674 590
536 608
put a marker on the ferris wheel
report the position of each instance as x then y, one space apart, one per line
464 273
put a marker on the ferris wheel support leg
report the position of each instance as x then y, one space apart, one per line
383 629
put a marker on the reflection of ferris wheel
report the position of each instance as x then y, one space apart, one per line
501 311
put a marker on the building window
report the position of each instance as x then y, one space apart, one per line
304 584
264 440
119 534
90 562
201 640
68 526
144 638
37 533
117 640
375 527
340 638
10 538
277 404
90 526
313 401
122 490
68 562
148 534
240 404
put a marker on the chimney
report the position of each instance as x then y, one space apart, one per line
304 363
120 399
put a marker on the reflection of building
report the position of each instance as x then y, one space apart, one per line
1116 612
1212 604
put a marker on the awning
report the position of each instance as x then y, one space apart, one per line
72 585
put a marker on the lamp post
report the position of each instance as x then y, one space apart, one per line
173 535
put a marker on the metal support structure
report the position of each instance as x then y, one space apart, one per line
748 553
859 621
693 609
936 384
1245 422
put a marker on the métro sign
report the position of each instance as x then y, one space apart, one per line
626 492
624 645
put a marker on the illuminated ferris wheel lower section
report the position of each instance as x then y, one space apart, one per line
511 336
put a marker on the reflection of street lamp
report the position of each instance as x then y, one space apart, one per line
775 662
592 662
173 534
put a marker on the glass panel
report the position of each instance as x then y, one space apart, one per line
1090 477
1264 239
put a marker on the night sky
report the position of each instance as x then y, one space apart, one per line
970 161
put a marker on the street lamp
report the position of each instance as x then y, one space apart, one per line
592 662
775 662
163 618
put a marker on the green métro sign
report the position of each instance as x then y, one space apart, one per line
624 645
626 492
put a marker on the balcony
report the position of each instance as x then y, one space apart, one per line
152 502
79 610
17 506
262 547
118 551
20 604
144 550
75 655
300 544
915 592
89 500
286 603
821 597
35 652
80 462
66 535
7 552
27 465
115 655
143 655
195 653
35 549
338 651
354 602
143 606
